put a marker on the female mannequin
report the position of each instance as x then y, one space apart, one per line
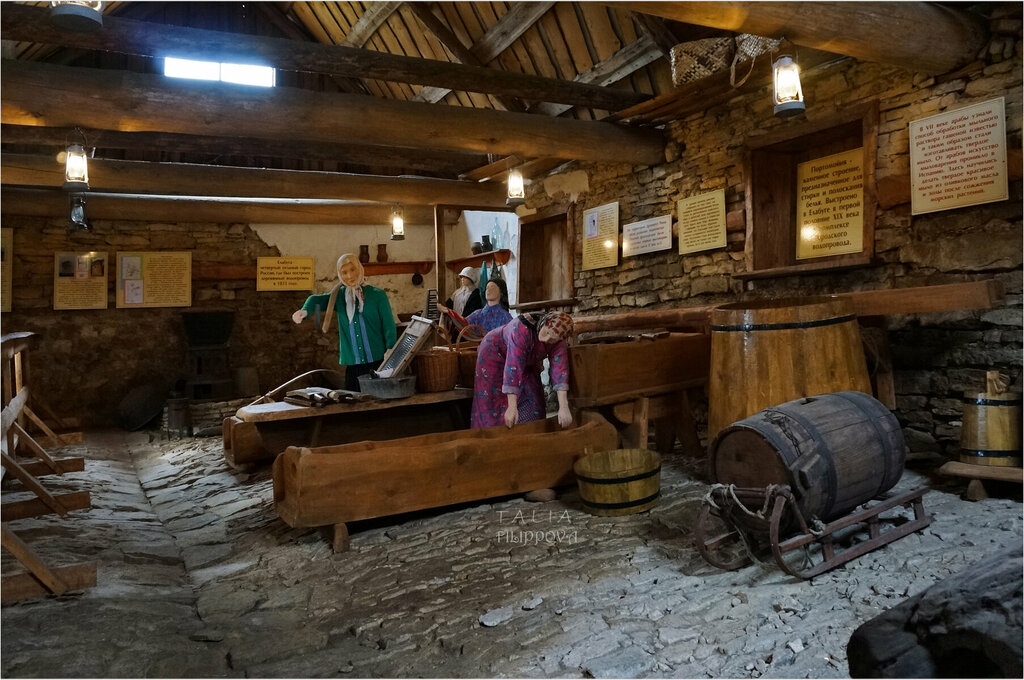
507 387
496 312
366 325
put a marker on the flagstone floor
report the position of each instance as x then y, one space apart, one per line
197 577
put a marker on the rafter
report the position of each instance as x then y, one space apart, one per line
451 41
39 94
53 203
213 180
444 163
626 61
888 32
496 40
126 36
373 18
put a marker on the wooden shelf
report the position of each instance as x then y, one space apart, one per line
499 256
380 268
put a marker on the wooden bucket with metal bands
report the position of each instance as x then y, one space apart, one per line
619 482
991 431
771 352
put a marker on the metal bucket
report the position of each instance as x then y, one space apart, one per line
388 388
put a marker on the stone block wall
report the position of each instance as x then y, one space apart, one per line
91 359
937 356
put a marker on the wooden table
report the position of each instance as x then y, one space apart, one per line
261 431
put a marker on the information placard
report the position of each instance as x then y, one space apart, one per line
601 236
284 273
154 279
80 280
830 205
958 158
647 236
702 222
6 271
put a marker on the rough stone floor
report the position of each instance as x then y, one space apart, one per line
199 578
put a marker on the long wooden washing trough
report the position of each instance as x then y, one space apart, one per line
331 485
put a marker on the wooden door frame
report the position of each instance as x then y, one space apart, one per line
568 212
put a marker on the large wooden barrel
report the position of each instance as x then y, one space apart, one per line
767 353
619 482
991 431
835 451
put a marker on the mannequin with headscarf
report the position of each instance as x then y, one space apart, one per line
366 324
464 301
507 388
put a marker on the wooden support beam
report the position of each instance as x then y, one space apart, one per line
918 36
53 582
985 294
145 208
631 58
496 40
126 36
38 94
31 483
442 163
189 179
374 16
455 46
38 468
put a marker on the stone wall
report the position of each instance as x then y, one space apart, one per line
91 359
937 356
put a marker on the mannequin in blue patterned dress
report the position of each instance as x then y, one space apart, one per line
496 313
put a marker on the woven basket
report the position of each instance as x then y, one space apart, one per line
465 347
436 370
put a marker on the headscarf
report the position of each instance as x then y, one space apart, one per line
559 323
353 294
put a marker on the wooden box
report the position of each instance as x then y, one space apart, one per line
610 373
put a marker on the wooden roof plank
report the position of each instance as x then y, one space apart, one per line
569 24
602 36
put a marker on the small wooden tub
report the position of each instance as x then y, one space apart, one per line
619 482
991 431
767 353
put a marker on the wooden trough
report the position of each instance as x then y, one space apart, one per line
331 485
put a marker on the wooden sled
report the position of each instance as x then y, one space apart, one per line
269 425
332 485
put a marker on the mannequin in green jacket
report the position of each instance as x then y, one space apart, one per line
366 325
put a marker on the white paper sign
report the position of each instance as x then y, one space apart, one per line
647 236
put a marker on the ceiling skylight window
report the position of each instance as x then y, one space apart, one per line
244 74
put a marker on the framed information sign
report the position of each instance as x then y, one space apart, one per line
154 279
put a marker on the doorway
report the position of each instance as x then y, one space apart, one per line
545 258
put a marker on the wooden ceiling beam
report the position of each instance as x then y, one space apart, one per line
520 17
52 203
126 36
629 59
57 96
444 163
455 46
373 18
215 180
918 36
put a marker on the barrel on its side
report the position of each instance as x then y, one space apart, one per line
836 451
771 352
619 482
991 431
